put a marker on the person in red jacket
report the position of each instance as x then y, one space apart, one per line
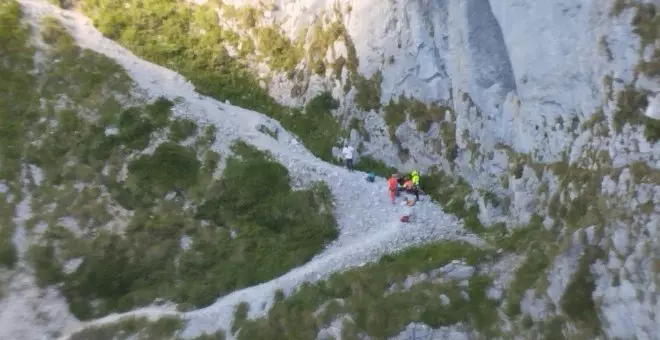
393 185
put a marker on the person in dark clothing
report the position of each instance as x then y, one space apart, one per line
411 188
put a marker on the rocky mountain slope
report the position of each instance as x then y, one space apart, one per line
125 189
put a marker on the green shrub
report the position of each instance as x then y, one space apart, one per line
281 53
8 255
47 271
170 167
424 115
368 92
451 194
526 275
631 104
395 115
577 301
53 33
79 73
160 112
521 239
135 129
369 164
316 125
181 129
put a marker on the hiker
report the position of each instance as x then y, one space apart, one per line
415 178
408 184
347 152
393 186
411 188
400 181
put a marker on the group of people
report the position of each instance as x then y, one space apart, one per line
409 184
396 184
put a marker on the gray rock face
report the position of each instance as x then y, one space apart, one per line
540 77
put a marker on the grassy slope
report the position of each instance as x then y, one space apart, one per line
360 294
239 233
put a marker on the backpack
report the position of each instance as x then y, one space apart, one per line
405 218
371 177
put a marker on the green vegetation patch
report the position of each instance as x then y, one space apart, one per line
18 110
370 164
362 294
647 26
397 112
268 41
128 207
321 39
577 302
282 54
424 115
368 92
631 102
317 123
526 276
538 245
17 95
133 328
452 194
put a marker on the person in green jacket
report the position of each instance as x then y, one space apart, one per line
415 178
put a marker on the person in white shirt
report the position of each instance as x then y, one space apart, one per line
347 152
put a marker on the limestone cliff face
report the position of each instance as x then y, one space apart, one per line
540 103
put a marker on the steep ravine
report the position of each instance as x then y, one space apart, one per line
538 106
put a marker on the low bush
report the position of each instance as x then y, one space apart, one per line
452 193
578 302
370 164
316 125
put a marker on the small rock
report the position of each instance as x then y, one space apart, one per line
465 296
494 293
444 300
413 280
